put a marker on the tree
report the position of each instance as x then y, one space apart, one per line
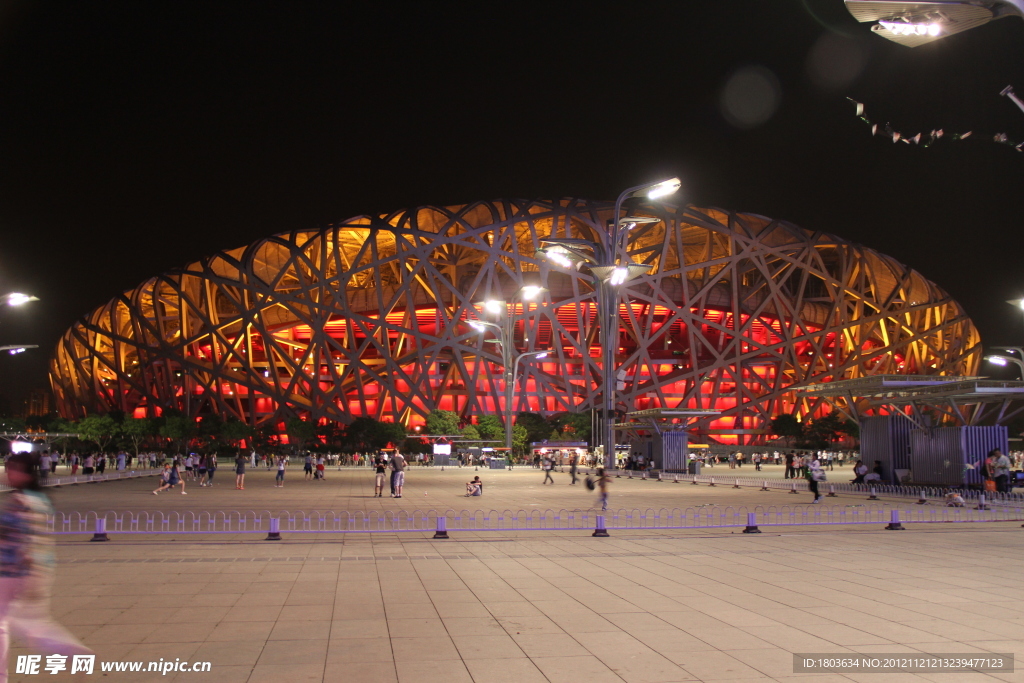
58 425
100 429
136 430
12 424
300 431
178 429
574 426
787 425
442 422
234 431
537 428
367 434
470 433
520 439
490 428
393 433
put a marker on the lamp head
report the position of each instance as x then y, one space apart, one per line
477 325
530 292
494 306
18 299
558 256
996 360
916 23
663 189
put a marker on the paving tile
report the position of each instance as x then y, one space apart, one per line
351 672
504 671
423 648
448 671
346 650
300 630
487 647
298 652
575 669
549 645
359 628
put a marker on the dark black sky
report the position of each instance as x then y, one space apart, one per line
136 137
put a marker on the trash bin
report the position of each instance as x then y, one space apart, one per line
497 463
693 467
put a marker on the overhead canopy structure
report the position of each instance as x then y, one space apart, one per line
662 420
968 400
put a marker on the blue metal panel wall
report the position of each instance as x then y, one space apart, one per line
976 442
674 451
940 457
886 439
937 457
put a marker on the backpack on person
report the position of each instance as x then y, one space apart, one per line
589 483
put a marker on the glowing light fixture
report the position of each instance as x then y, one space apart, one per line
996 360
531 291
494 306
900 28
18 299
663 189
618 276
558 257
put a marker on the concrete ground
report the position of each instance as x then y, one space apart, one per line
690 605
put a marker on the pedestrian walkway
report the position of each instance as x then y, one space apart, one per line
643 607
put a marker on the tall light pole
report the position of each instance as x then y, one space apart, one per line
506 338
1004 359
918 23
610 268
17 299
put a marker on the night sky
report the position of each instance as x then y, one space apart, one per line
136 137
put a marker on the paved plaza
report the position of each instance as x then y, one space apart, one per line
639 606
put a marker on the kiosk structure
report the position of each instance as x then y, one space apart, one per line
927 430
659 436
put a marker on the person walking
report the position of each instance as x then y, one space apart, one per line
756 458
548 464
307 468
397 474
279 480
27 567
573 461
381 472
603 481
790 471
815 474
240 471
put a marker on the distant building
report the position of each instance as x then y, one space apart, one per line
38 403
371 317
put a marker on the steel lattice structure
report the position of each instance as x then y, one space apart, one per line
370 317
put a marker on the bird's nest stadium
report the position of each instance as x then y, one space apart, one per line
371 316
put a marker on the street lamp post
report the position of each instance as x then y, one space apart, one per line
509 358
610 268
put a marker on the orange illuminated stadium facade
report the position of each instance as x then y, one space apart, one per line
371 317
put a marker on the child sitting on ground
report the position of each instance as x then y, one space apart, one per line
475 487
954 500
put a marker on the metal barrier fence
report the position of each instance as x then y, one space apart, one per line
440 522
68 480
801 485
